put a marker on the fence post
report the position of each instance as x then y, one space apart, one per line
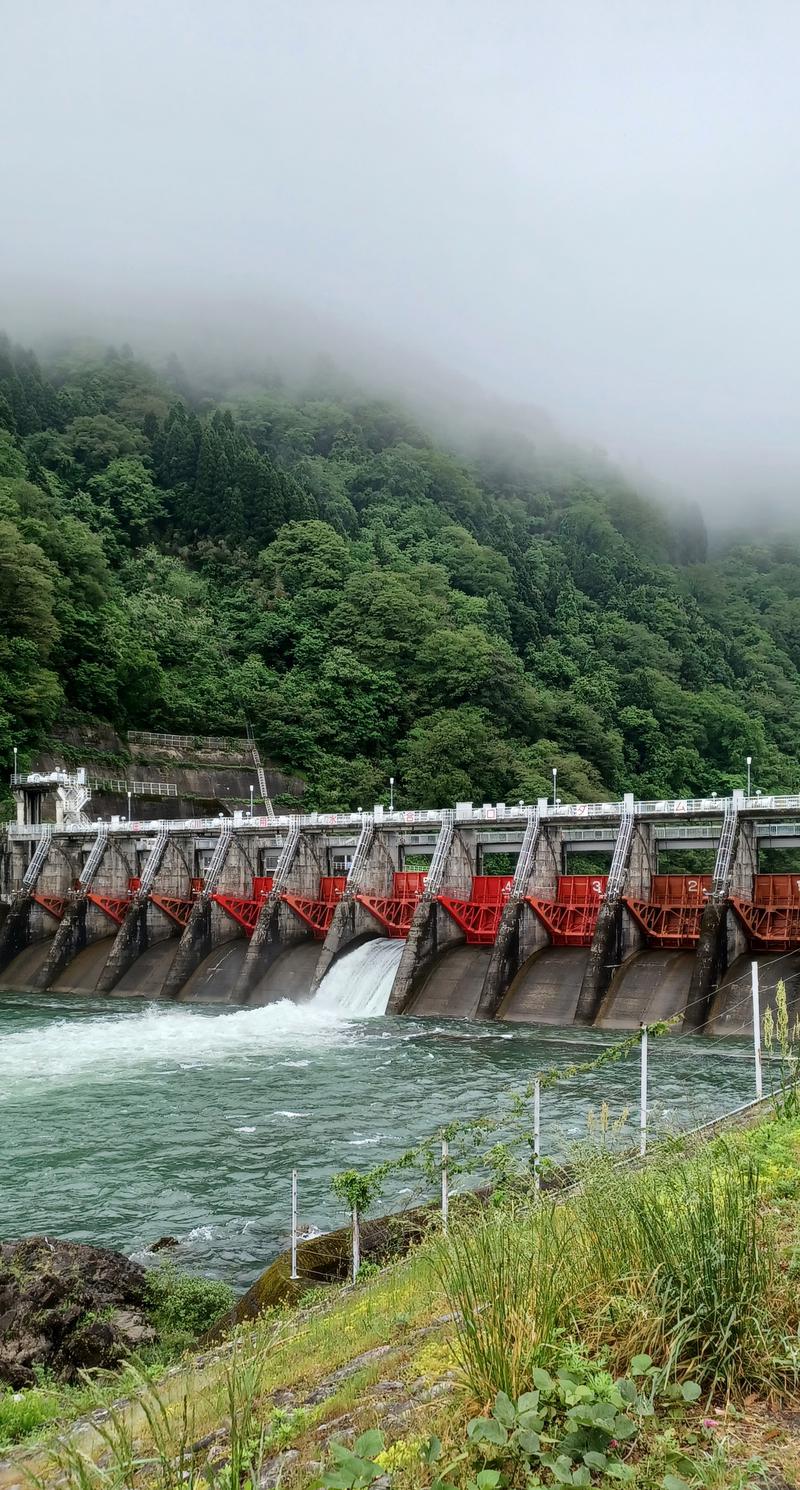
537 1135
445 1190
356 1243
293 1273
757 1031
643 1096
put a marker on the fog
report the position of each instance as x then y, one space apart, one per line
590 208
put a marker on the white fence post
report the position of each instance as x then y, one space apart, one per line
445 1189
757 1031
537 1134
293 1273
643 1096
356 1243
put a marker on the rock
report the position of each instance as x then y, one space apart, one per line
164 1244
67 1307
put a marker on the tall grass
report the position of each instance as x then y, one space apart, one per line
693 1252
678 1261
511 1294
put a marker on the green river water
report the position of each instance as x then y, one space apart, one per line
122 1122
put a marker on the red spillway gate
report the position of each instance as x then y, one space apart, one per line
671 915
396 911
318 912
244 909
179 907
772 918
114 906
55 905
479 917
572 916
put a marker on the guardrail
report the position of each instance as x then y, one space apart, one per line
136 788
187 742
567 813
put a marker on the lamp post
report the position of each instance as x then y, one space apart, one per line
15 760
749 764
129 806
555 779
391 794
251 799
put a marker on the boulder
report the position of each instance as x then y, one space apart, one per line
66 1308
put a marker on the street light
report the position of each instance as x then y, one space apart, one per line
555 779
749 764
251 799
15 760
129 806
391 794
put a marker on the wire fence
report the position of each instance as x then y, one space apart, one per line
512 1140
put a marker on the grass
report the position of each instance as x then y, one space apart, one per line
694 1260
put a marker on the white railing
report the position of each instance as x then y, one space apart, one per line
136 788
187 742
524 865
571 814
725 851
96 852
36 865
622 848
438 864
287 857
358 863
153 864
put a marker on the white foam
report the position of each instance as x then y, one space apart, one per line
360 983
160 1035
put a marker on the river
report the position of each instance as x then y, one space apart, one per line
121 1122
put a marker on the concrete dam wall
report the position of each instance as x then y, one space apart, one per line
248 912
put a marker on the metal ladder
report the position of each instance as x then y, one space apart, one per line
286 858
153 864
37 863
92 864
522 872
441 853
262 780
619 859
217 860
358 864
726 848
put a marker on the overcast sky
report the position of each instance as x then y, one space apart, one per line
589 204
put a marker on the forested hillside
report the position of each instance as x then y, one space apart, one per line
175 557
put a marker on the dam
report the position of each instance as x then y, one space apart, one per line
244 910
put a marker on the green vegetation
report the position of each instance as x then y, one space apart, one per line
643 1331
182 557
182 1307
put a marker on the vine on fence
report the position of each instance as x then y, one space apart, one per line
360 1189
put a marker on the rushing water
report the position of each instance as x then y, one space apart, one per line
359 984
119 1123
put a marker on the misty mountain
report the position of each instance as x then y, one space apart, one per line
184 552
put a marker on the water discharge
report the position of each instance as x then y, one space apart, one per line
121 1122
360 982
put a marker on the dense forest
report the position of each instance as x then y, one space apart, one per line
175 555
